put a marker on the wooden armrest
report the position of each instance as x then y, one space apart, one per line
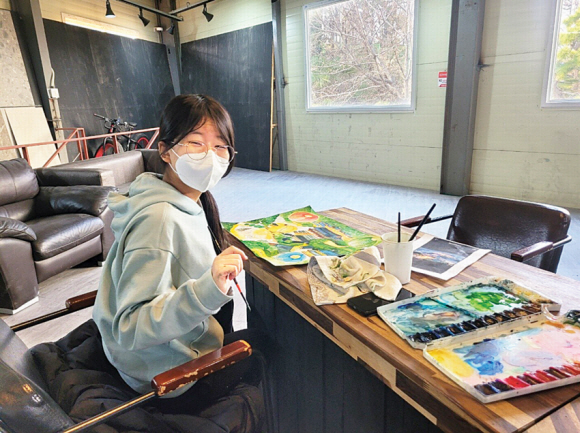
527 253
415 221
203 366
72 304
82 301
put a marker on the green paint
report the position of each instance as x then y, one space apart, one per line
485 301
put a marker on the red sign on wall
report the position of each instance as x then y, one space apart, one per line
442 79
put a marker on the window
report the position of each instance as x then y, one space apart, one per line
360 55
562 83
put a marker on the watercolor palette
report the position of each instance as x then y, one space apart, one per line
475 308
533 357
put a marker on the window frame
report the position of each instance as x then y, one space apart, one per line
357 108
551 52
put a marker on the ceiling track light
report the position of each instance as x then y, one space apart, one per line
206 14
109 13
144 20
171 29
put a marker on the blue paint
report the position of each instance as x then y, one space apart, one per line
484 357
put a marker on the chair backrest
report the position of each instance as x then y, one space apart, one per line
25 405
504 226
18 187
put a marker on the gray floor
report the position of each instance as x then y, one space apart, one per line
247 194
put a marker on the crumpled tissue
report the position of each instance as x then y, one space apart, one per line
335 279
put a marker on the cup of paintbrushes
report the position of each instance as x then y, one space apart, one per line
398 255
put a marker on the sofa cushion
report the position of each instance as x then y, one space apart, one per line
88 199
17 181
59 233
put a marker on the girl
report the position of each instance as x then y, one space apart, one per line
162 282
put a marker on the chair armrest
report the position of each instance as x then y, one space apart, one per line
203 366
81 302
176 377
73 304
55 176
528 253
11 228
415 221
54 200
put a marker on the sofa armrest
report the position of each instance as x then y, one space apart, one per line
205 365
11 228
56 176
54 200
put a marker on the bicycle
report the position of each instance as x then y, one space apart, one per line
124 142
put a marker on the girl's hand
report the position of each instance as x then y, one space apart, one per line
227 266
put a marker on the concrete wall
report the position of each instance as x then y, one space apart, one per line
398 148
522 150
228 16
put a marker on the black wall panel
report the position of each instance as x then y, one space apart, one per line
106 74
236 68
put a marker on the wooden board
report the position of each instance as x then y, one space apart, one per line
6 139
403 369
28 126
235 68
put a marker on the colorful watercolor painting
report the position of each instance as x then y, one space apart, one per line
469 307
291 238
535 357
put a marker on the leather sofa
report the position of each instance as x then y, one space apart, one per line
45 230
117 170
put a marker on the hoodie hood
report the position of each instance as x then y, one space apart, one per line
146 190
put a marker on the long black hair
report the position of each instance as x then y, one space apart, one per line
183 115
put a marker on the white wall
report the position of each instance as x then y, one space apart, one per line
398 149
229 15
126 15
522 150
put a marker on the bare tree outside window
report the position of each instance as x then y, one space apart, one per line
360 54
563 86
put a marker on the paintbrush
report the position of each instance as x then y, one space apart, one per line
234 279
423 221
399 228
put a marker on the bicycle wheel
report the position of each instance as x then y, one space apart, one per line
139 142
107 148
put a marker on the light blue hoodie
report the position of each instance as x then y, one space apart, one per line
156 296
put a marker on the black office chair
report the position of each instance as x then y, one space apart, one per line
69 386
523 231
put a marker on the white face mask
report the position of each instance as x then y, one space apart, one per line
202 174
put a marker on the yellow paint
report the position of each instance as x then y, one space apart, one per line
282 228
451 362
249 233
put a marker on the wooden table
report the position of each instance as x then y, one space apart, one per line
318 388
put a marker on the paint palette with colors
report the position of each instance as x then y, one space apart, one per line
475 308
532 357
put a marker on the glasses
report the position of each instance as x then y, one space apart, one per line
198 151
